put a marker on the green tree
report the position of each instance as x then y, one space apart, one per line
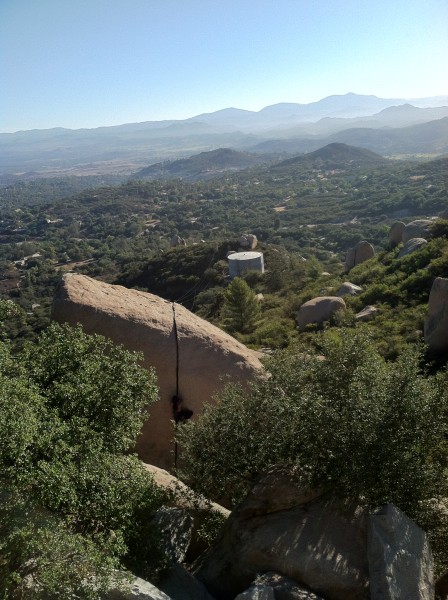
240 309
71 406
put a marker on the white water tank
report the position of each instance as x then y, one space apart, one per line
245 261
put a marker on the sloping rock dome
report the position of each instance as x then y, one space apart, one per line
191 357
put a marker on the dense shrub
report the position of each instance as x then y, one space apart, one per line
352 422
71 406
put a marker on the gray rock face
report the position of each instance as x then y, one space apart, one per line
257 592
179 584
318 310
400 559
177 241
436 322
360 253
348 289
411 246
367 313
248 241
396 233
139 590
319 542
199 353
175 527
286 588
416 229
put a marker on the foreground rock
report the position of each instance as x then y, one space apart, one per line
178 344
400 559
308 545
175 528
436 322
411 246
201 510
182 495
361 252
139 589
318 310
309 537
257 592
286 588
179 584
417 229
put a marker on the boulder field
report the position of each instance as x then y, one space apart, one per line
191 357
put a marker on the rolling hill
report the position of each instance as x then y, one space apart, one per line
205 165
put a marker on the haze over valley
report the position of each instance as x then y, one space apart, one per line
391 127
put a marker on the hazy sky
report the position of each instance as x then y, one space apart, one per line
86 63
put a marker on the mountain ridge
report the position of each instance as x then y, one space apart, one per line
124 149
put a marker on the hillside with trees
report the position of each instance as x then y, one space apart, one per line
358 408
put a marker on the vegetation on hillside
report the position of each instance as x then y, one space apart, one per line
75 505
368 421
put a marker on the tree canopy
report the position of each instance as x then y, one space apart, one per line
74 502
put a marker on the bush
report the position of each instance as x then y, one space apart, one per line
71 407
352 422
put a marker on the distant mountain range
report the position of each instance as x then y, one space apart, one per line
387 126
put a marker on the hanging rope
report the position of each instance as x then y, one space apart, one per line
175 399
176 337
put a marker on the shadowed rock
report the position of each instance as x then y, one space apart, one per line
436 322
400 559
361 252
396 233
411 246
312 539
417 229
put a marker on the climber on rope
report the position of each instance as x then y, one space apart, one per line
180 413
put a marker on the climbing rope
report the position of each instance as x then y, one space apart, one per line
176 337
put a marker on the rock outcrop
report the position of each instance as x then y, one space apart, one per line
176 240
180 584
139 589
367 313
257 592
318 310
306 536
248 241
361 252
286 588
309 545
411 246
191 357
181 496
400 559
175 528
396 233
416 229
436 322
348 289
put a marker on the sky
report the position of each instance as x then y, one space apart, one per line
90 63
